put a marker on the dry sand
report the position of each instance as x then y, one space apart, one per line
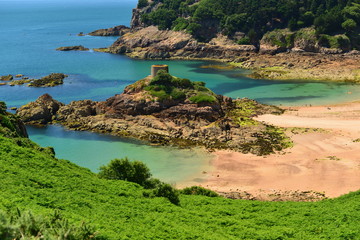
323 160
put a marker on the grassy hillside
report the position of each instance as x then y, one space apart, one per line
205 18
32 179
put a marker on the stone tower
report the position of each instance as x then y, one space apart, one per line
156 68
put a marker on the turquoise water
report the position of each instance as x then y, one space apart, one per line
92 150
30 31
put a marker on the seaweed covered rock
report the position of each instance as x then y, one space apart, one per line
51 80
7 78
73 48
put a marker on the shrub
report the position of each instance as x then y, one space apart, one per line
177 94
152 183
25 225
123 169
181 83
349 25
202 98
167 191
180 24
3 107
196 190
162 78
244 41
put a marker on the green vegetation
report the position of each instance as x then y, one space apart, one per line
123 169
24 225
195 190
66 199
206 18
166 87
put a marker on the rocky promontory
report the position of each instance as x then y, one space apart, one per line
167 110
114 31
268 62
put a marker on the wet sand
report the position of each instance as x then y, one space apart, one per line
325 159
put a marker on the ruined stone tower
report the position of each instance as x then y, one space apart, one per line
156 68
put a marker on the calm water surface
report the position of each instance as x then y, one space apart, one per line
30 31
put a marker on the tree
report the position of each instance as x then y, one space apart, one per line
123 169
142 3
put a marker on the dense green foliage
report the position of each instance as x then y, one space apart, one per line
25 225
34 180
123 169
167 87
195 190
138 172
206 18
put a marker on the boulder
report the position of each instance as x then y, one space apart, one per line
41 111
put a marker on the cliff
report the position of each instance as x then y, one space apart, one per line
167 110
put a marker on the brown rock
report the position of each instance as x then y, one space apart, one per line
41 111
7 78
114 31
73 48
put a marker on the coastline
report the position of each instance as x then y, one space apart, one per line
324 159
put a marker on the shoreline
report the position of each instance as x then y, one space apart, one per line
325 159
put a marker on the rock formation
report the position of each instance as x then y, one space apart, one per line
73 48
167 111
159 44
114 31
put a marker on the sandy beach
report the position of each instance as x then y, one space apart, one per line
325 157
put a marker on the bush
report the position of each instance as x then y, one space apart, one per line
349 25
244 41
181 83
195 190
177 94
123 169
167 191
25 225
162 78
152 183
202 98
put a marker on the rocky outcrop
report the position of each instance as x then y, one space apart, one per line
73 48
114 31
51 80
41 111
136 113
6 78
152 43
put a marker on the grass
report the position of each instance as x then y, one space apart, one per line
33 180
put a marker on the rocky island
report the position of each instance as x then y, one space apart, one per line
51 80
167 110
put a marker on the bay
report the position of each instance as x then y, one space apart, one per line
30 31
